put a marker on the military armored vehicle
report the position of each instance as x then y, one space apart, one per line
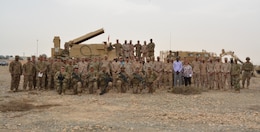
74 48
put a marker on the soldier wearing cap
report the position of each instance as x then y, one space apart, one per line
144 50
105 81
138 47
92 78
76 81
225 71
217 71
28 72
235 72
196 66
167 75
158 69
203 74
150 77
118 47
41 68
15 69
137 80
33 59
247 69
61 79
210 72
150 48
122 81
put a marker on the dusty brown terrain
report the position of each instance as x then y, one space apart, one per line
162 111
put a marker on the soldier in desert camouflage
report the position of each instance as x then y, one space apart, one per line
15 68
28 72
235 72
118 48
61 79
247 69
225 71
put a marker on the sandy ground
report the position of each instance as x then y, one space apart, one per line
162 111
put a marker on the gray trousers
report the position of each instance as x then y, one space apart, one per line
177 79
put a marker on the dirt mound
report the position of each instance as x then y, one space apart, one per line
16 105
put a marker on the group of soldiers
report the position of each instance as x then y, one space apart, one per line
123 73
213 74
131 50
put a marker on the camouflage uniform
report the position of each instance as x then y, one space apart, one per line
137 80
28 72
83 70
50 75
105 81
41 68
126 50
92 78
144 50
235 72
210 70
61 80
69 70
15 68
138 48
203 74
196 72
158 68
150 77
247 69
167 75
76 81
118 48
35 73
225 70
217 70
115 69
122 81
150 48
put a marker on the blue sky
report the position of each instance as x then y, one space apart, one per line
187 25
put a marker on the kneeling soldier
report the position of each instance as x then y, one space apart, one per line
150 77
92 78
122 80
61 79
137 80
105 81
76 81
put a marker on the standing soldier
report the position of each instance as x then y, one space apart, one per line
126 49
150 77
137 80
225 70
92 77
15 68
196 72
41 68
118 48
170 56
28 72
217 70
203 74
115 69
235 72
168 74
132 48
34 75
50 74
57 65
151 47
247 69
210 70
122 81
158 68
83 70
144 50
138 47
61 79
106 63
76 81
69 70
105 80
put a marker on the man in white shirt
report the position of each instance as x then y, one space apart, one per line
177 68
